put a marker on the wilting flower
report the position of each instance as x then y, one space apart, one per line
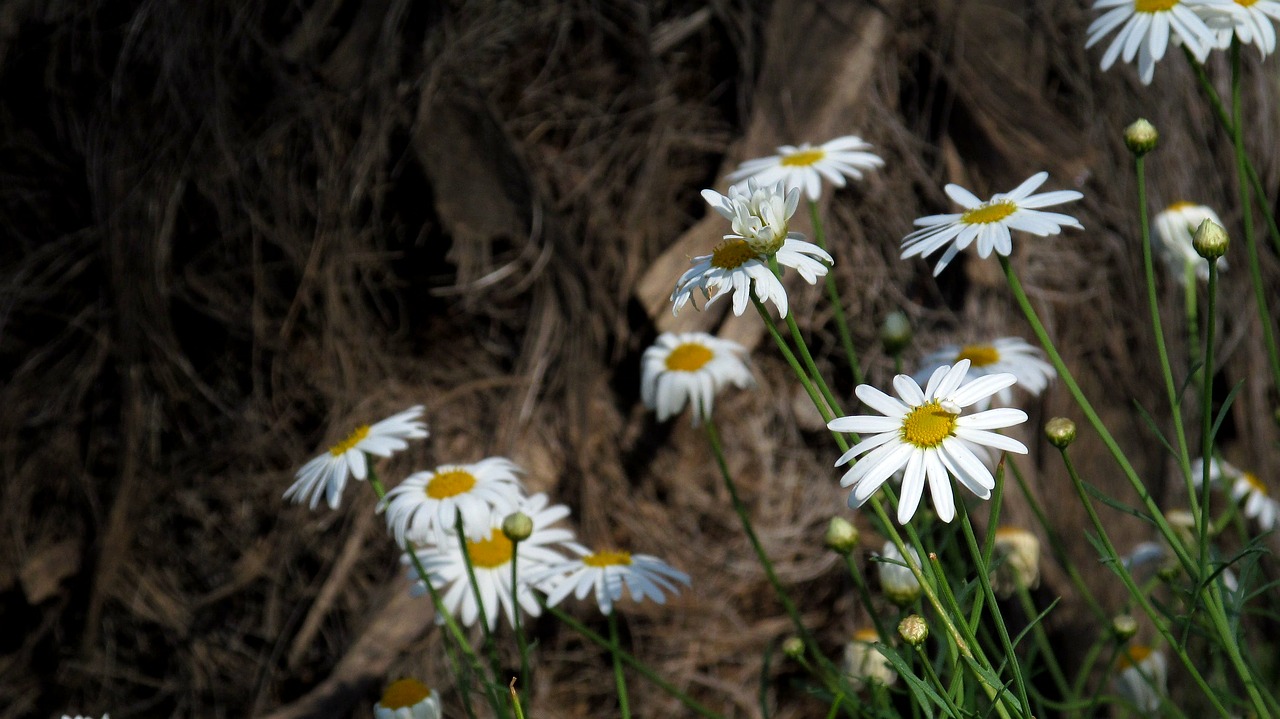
1019 551
1142 677
606 573
424 507
1174 229
924 432
326 475
1145 30
988 223
408 699
897 581
863 664
1006 354
806 166
690 368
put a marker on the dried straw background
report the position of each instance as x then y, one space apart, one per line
231 231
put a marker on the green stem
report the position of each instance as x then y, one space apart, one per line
521 642
790 357
624 706
864 595
1206 413
932 675
842 325
490 648
810 366
1041 638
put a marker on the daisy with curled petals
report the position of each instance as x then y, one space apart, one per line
924 433
425 506
1006 354
1250 20
988 223
690 368
806 166
491 562
607 573
408 699
326 475
1146 27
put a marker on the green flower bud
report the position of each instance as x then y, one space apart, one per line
1210 240
1124 626
895 332
841 536
1060 431
913 630
793 647
1140 137
517 526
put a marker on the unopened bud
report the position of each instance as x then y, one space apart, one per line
793 647
841 536
1060 431
895 332
1124 626
517 526
898 582
913 630
1211 240
1141 137
1019 551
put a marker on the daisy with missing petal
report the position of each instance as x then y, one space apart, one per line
424 507
1145 29
408 699
1175 228
326 475
491 561
988 223
606 573
806 166
690 368
1006 354
924 432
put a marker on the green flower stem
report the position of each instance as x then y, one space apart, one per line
932 675
1117 565
1191 308
624 706
790 357
1041 638
690 703
1085 670
842 325
515 699
490 648
1206 414
864 594
803 348
521 642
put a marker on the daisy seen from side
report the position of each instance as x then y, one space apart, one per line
806 166
425 506
988 224
690 368
326 475
1146 27
922 430
1142 677
408 699
1005 354
1175 228
606 573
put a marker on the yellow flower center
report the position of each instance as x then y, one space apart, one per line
928 425
1256 483
989 212
450 483
1133 655
1246 3
490 553
689 357
404 693
866 635
1154 5
805 158
978 355
607 559
352 440
1010 532
1180 205
732 254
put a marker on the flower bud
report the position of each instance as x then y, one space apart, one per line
1019 552
841 536
793 647
517 526
895 332
863 664
1060 431
1140 137
1210 240
913 630
1124 626
897 582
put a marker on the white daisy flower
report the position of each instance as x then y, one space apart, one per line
690 368
1258 503
758 215
897 581
806 166
1175 228
491 561
1249 20
424 507
863 664
989 222
1145 29
924 432
732 268
326 475
1006 354
1142 677
1019 551
408 699
606 573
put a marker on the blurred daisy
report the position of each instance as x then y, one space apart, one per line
1145 29
758 215
491 561
988 223
1006 354
424 507
806 166
690 368
606 573
1175 228
1142 677
1249 20
326 475
1019 551
408 699
924 432
864 664
68 716
897 581
1258 503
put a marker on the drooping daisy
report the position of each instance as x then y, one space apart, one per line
897 581
1145 29
326 475
1006 354
408 699
988 223
606 573
1175 228
1250 20
491 561
863 664
424 507
690 368
923 432
806 166
1142 677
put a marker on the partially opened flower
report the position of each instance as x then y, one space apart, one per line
897 581
408 699
863 664
326 475
1141 677
424 507
606 573
1006 354
925 433
807 166
989 223
690 368
1174 229
1146 27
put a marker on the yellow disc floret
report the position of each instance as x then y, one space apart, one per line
351 441
803 158
689 357
1133 655
989 212
978 355
732 254
1154 5
1255 483
450 483
607 559
490 553
404 693
928 425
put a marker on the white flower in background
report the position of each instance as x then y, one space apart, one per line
806 166
424 507
924 432
1006 354
408 699
1019 551
491 561
897 581
1175 228
758 215
68 716
1246 486
607 573
1142 678
1145 30
864 664
989 223
690 368
1250 20
326 475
